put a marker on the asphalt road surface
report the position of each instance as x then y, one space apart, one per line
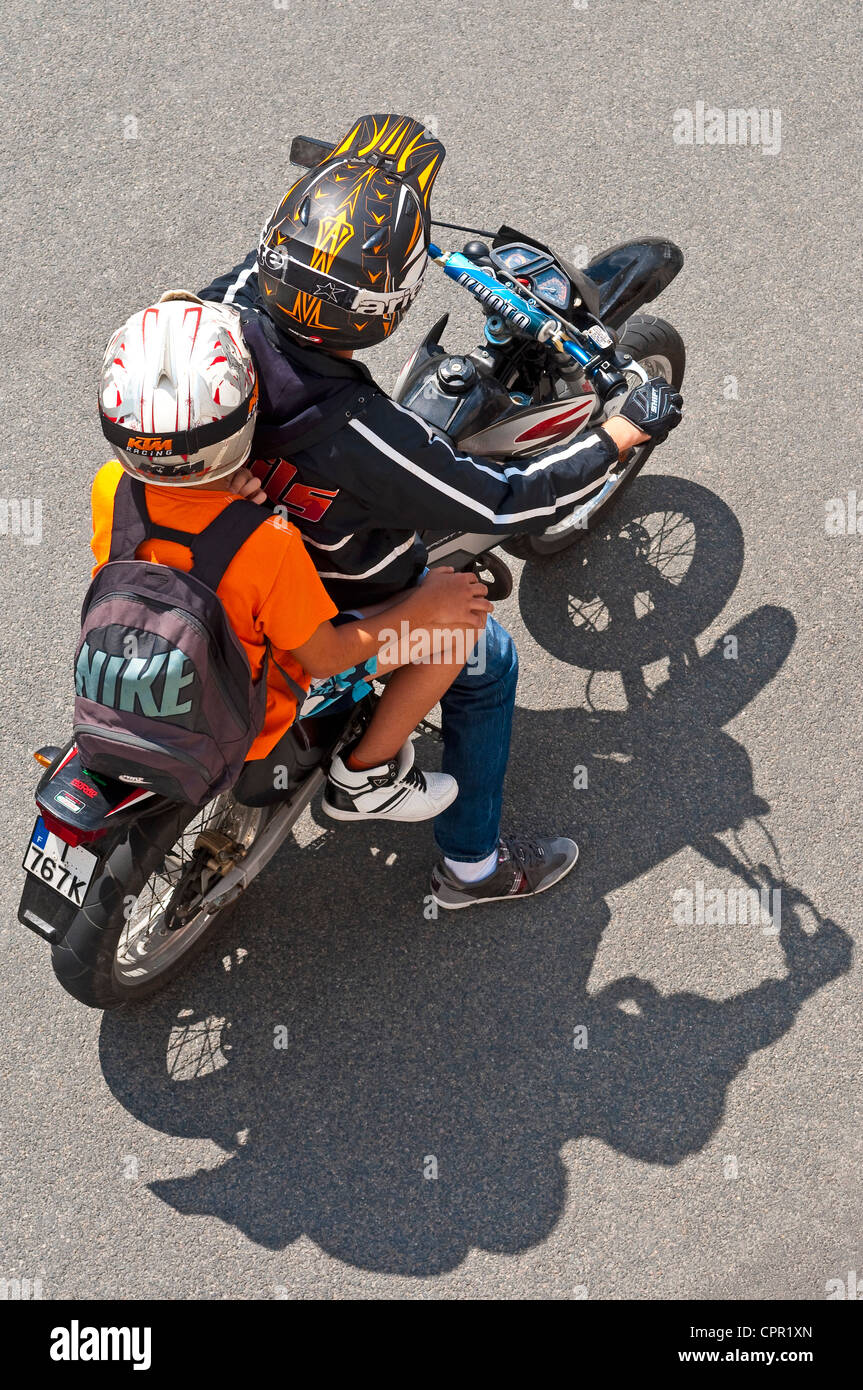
436 1126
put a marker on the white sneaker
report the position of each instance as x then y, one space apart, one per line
394 791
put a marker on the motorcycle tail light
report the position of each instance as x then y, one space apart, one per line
71 835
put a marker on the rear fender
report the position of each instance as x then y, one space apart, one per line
78 806
87 802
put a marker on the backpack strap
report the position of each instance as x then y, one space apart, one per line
214 548
132 523
295 688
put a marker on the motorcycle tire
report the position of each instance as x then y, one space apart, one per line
88 961
656 344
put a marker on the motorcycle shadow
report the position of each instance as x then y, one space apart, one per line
635 786
399 1088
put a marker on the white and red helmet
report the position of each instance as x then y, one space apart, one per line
178 394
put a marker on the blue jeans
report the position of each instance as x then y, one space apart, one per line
477 723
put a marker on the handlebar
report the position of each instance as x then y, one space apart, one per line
530 318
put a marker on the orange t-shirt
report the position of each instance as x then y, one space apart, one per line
270 589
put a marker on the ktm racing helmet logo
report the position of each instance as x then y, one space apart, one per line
145 444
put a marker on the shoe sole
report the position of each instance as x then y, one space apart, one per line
508 897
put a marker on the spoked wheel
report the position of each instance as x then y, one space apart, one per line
656 574
166 918
659 350
143 918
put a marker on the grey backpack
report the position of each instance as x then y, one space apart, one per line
164 695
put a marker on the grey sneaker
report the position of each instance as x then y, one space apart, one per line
525 867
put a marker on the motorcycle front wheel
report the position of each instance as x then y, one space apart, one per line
660 350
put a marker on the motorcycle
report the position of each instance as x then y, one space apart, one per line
127 886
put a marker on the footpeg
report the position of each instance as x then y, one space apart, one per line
500 583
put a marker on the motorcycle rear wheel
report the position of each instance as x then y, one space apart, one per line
139 927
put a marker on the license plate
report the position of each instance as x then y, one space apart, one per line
64 868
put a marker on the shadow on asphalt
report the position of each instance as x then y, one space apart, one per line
411 1039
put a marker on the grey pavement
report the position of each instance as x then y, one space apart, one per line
706 1142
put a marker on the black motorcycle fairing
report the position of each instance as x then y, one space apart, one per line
429 349
632 274
586 287
453 415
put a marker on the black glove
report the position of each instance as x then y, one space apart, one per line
654 408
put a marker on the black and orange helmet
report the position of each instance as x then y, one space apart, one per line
344 254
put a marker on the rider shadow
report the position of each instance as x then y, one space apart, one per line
641 783
398 1089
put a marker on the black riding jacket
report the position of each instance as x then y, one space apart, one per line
360 475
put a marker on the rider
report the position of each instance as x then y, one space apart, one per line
338 264
182 365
